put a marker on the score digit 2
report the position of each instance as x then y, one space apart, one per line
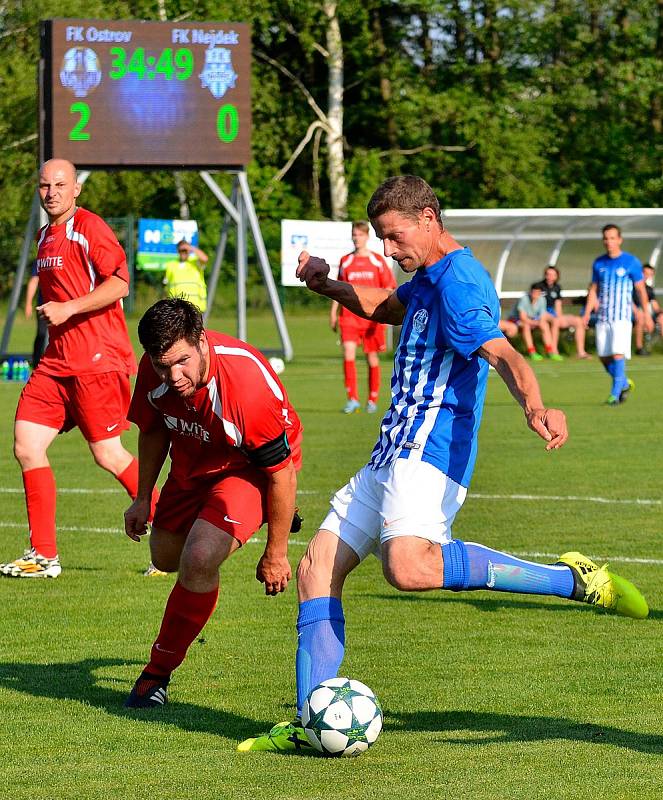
78 132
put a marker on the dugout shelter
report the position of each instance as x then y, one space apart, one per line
516 245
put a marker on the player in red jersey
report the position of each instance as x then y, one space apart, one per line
83 377
215 404
362 267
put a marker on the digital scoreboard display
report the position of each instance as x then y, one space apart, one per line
128 94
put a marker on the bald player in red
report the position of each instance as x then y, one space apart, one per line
83 377
217 407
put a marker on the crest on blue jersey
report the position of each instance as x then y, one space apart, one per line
81 71
218 74
420 320
620 271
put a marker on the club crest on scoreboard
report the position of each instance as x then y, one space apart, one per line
218 74
81 71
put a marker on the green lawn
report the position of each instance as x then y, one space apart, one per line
485 695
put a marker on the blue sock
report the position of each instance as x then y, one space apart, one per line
321 644
473 566
619 381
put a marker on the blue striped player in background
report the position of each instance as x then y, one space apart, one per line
401 505
614 276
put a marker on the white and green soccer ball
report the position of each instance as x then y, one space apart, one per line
341 717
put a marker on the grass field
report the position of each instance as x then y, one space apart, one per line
485 695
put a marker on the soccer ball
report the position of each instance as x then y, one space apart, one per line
277 364
341 717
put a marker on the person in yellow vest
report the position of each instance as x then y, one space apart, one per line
186 276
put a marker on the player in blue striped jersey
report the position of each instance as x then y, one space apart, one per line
614 276
401 505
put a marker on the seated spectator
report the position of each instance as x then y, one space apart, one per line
529 314
561 321
645 320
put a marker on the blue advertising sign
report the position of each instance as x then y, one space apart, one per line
158 238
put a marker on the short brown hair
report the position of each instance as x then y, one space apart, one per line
406 194
360 225
611 226
168 321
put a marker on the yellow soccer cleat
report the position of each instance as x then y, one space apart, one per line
598 587
284 737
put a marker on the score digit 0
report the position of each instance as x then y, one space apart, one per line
227 123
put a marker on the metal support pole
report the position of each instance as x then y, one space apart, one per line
242 264
218 259
265 267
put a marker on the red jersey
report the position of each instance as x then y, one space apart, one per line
370 270
242 407
73 259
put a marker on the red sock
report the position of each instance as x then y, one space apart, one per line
373 383
39 485
129 479
185 616
531 349
350 373
548 348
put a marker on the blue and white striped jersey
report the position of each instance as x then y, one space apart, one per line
439 383
614 278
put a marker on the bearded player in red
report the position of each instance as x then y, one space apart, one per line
215 404
83 377
362 267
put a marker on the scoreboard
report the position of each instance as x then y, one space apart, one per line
129 94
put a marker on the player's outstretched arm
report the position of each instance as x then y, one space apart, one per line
548 423
152 451
379 305
105 294
274 568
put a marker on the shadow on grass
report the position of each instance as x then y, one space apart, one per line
77 681
499 601
512 728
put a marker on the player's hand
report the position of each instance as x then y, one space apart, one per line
550 425
28 312
585 320
55 313
135 519
274 572
312 271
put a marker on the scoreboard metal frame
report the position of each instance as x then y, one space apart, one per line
126 94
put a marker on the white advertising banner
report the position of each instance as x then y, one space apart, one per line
328 240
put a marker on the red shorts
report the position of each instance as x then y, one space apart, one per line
370 334
235 503
96 403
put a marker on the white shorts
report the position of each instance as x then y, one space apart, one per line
614 338
405 498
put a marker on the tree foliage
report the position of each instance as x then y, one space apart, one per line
513 104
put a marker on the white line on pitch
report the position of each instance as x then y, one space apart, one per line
9 490
258 540
636 501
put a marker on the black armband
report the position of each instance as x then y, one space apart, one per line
271 453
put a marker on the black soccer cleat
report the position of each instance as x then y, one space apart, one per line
297 521
149 691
